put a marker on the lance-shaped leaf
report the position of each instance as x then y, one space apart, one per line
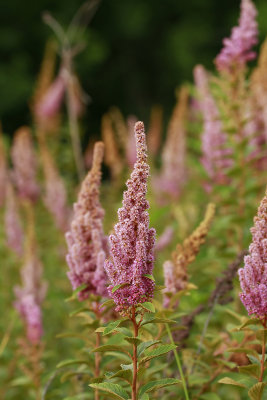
159 351
158 384
114 390
256 392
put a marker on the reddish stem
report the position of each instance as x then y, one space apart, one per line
134 383
264 323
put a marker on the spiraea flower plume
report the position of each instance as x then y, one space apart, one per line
175 270
237 50
216 156
31 294
253 277
132 244
24 165
86 241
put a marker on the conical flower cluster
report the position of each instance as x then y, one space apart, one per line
175 270
25 165
253 277
132 244
13 228
86 241
237 49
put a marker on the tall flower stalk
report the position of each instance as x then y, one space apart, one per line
132 248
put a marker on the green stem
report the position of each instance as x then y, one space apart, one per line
179 365
134 358
263 352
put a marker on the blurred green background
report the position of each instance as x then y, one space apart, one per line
137 51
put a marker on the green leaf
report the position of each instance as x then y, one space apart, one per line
148 306
255 393
145 397
156 320
71 335
133 340
145 345
159 351
114 390
76 291
67 363
78 311
125 374
122 285
157 385
229 381
248 322
150 277
262 335
107 303
109 347
127 367
243 350
21 381
252 370
112 326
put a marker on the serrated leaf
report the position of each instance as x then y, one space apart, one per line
145 345
255 393
107 303
127 367
159 351
230 381
67 363
125 374
114 390
76 291
157 385
120 286
112 326
132 340
150 277
148 306
253 360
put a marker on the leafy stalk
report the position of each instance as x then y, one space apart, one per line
264 323
135 359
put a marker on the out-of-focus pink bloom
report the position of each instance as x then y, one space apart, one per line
25 165
216 156
237 49
52 100
55 193
132 244
30 295
14 233
253 277
86 241
130 147
164 239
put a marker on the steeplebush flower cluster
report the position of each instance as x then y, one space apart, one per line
24 165
132 244
237 50
13 228
253 277
86 241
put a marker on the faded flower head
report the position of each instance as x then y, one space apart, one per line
86 241
173 174
253 277
132 244
25 165
175 270
237 49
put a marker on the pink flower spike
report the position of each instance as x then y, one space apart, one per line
237 49
132 244
253 277
86 241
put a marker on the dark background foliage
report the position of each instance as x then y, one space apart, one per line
138 51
